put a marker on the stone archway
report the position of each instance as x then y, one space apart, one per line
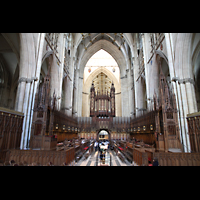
87 85
101 131
119 58
110 48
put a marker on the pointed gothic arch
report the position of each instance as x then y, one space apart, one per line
120 60
87 85
108 47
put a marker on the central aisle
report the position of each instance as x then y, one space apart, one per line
92 160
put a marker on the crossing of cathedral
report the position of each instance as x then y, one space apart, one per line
136 94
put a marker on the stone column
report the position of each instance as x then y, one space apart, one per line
26 115
191 97
184 113
131 96
20 94
85 107
139 97
68 96
80 89
30 82
187 105
75 98
181 114
138 87
125 96
135 73
65 95
60 80
148 69
152 80
32 103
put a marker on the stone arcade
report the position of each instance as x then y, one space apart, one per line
61 92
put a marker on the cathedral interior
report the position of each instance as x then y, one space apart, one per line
99 99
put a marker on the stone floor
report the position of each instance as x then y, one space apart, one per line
94 160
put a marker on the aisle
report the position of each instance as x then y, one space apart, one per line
91 160
116 161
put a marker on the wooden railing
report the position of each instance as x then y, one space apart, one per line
42 157
174 159
177 159
145 123
140 157
143 128
63 123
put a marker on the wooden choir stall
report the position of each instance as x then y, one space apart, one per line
11 123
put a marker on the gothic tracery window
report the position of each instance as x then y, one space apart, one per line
1 75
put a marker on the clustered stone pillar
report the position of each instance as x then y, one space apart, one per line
131 95
185 88
23 104
75 97
68 88
20 94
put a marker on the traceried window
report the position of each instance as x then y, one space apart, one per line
1 75
1 83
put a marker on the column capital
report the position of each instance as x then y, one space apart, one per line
34 79
186 80
22 79
174 79
183 80
67 108
190 80
29 80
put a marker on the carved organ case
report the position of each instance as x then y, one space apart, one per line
102 104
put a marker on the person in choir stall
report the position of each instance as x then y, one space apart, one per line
99 148
101 155
12 162
95 145
154 144
65 142
155 162
149 162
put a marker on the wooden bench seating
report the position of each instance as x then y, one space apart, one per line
42 157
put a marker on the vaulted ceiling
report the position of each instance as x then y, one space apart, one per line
119 45
122 41
9 56
90 38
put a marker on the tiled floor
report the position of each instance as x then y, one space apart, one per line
90 161
93 160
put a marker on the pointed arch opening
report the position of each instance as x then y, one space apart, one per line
101 69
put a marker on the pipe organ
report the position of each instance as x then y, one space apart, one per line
102 104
